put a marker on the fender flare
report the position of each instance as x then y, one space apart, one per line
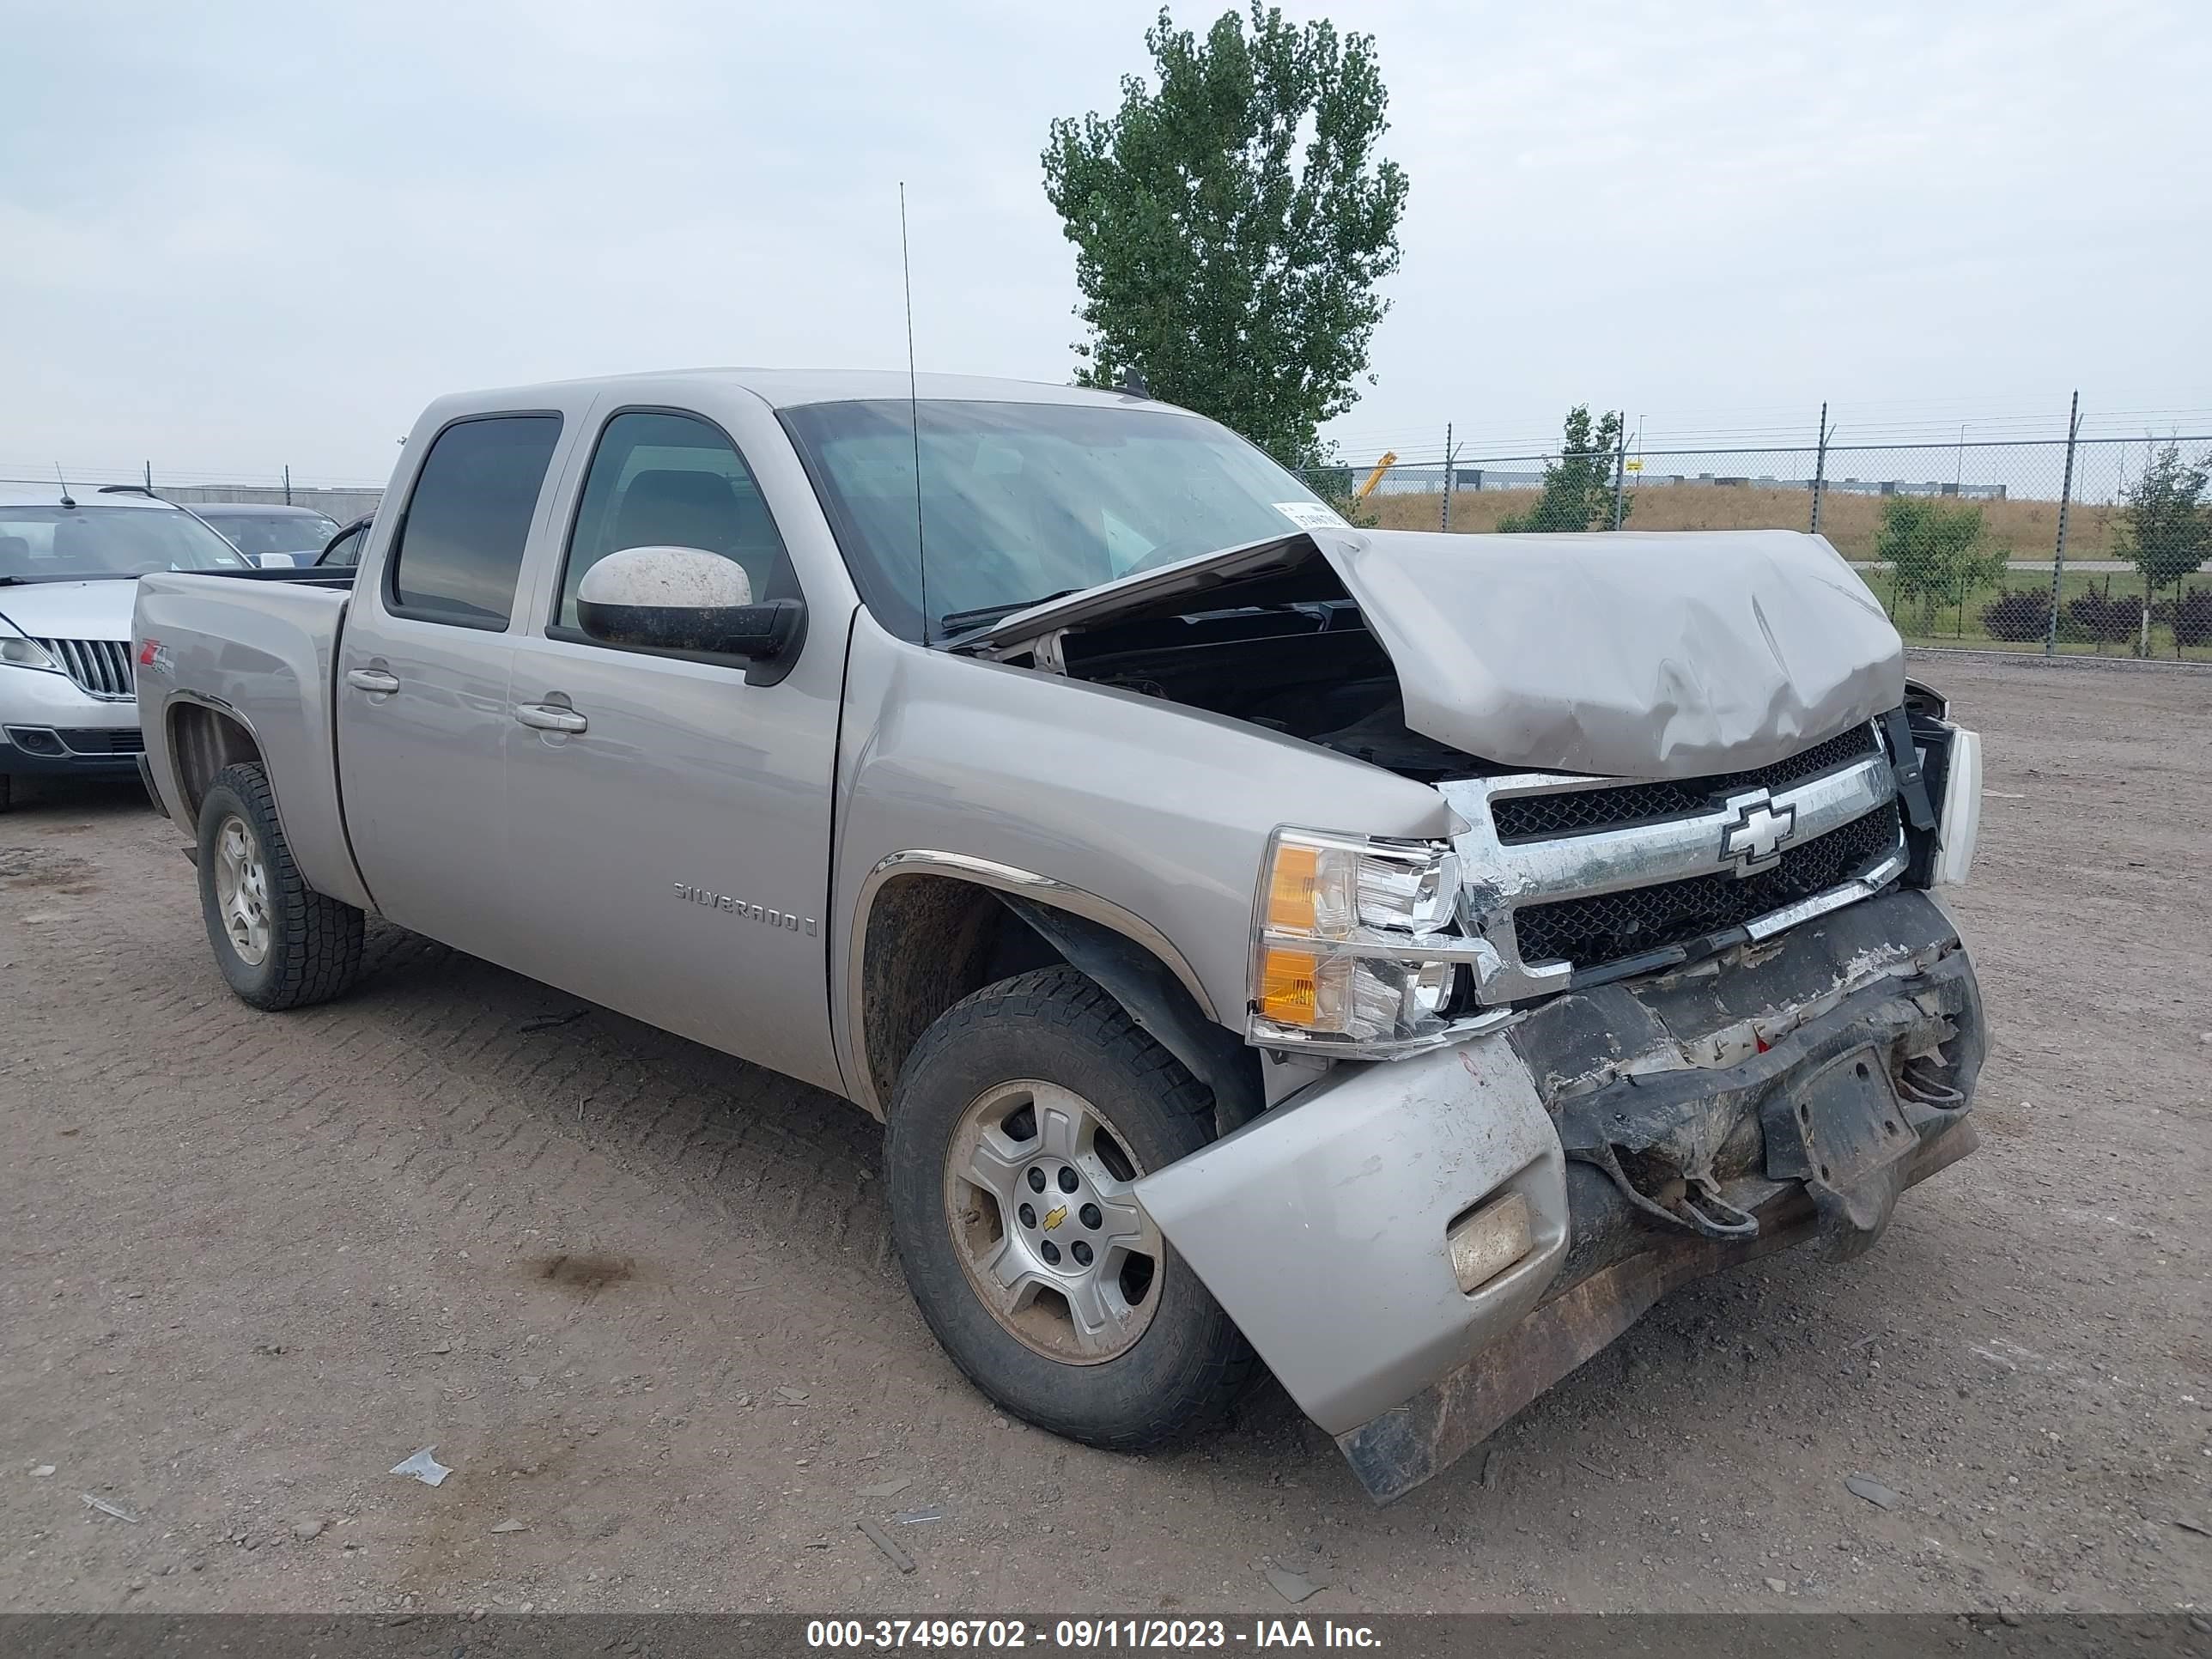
1150 995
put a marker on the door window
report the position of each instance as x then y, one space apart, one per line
661 479
459 549
344 549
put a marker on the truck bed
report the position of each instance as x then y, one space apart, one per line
260 648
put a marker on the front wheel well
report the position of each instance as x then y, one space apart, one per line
932 940
203 741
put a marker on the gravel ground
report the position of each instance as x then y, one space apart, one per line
639 1298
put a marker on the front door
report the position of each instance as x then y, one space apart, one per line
422 696
669 823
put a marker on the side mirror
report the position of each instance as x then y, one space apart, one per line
273 561
684 599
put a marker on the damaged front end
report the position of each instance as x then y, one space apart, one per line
1664 996
1656 1131
1860 1042
1629 655
1694 1021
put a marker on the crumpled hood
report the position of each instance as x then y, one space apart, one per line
1631 654
1635 655
70 611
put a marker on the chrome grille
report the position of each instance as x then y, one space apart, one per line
1564 876
1540 818
101 667
1607 927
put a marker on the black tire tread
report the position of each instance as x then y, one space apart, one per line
316 946
1070 999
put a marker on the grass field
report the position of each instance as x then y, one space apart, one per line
2022 529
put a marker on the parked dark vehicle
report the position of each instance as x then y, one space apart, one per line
343 550
269 533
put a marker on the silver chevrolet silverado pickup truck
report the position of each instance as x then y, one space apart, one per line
1397 958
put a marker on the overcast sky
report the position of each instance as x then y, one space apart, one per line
236 236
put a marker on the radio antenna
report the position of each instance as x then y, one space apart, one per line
914 418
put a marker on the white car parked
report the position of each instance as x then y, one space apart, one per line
70 566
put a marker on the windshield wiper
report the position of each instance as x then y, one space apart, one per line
958 622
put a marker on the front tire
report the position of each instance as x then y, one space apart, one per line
278 943
1021 1121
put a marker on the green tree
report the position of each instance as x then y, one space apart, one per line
1231 225
2165 523
1935 553
1578 486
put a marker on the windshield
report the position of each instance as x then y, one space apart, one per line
257 534
1021 502
79 544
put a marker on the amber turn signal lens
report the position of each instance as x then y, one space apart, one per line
1291 888
1289 985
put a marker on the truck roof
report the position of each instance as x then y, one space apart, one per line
786 388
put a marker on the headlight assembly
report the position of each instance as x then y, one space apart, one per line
1350 951
26 653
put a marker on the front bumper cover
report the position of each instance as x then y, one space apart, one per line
22 763
1320 1226
1659 1129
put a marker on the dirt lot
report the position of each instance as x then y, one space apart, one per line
639 1298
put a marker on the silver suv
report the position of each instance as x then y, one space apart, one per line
69 570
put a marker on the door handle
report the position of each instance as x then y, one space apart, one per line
372 680
550 717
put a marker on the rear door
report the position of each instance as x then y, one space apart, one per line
424 661
672 845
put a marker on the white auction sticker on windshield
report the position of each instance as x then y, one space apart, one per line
1310 515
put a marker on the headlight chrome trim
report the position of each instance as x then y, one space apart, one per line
17 651
1345 930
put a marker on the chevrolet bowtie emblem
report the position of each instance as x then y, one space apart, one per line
1754 841
1053 1218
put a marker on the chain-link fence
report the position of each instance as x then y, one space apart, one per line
342 500
1964 543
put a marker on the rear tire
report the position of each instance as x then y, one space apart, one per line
278 943
1022 1120
7 792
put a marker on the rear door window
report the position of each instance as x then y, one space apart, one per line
459 549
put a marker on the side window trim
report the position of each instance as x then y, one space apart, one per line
554 629
353 538
395 545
